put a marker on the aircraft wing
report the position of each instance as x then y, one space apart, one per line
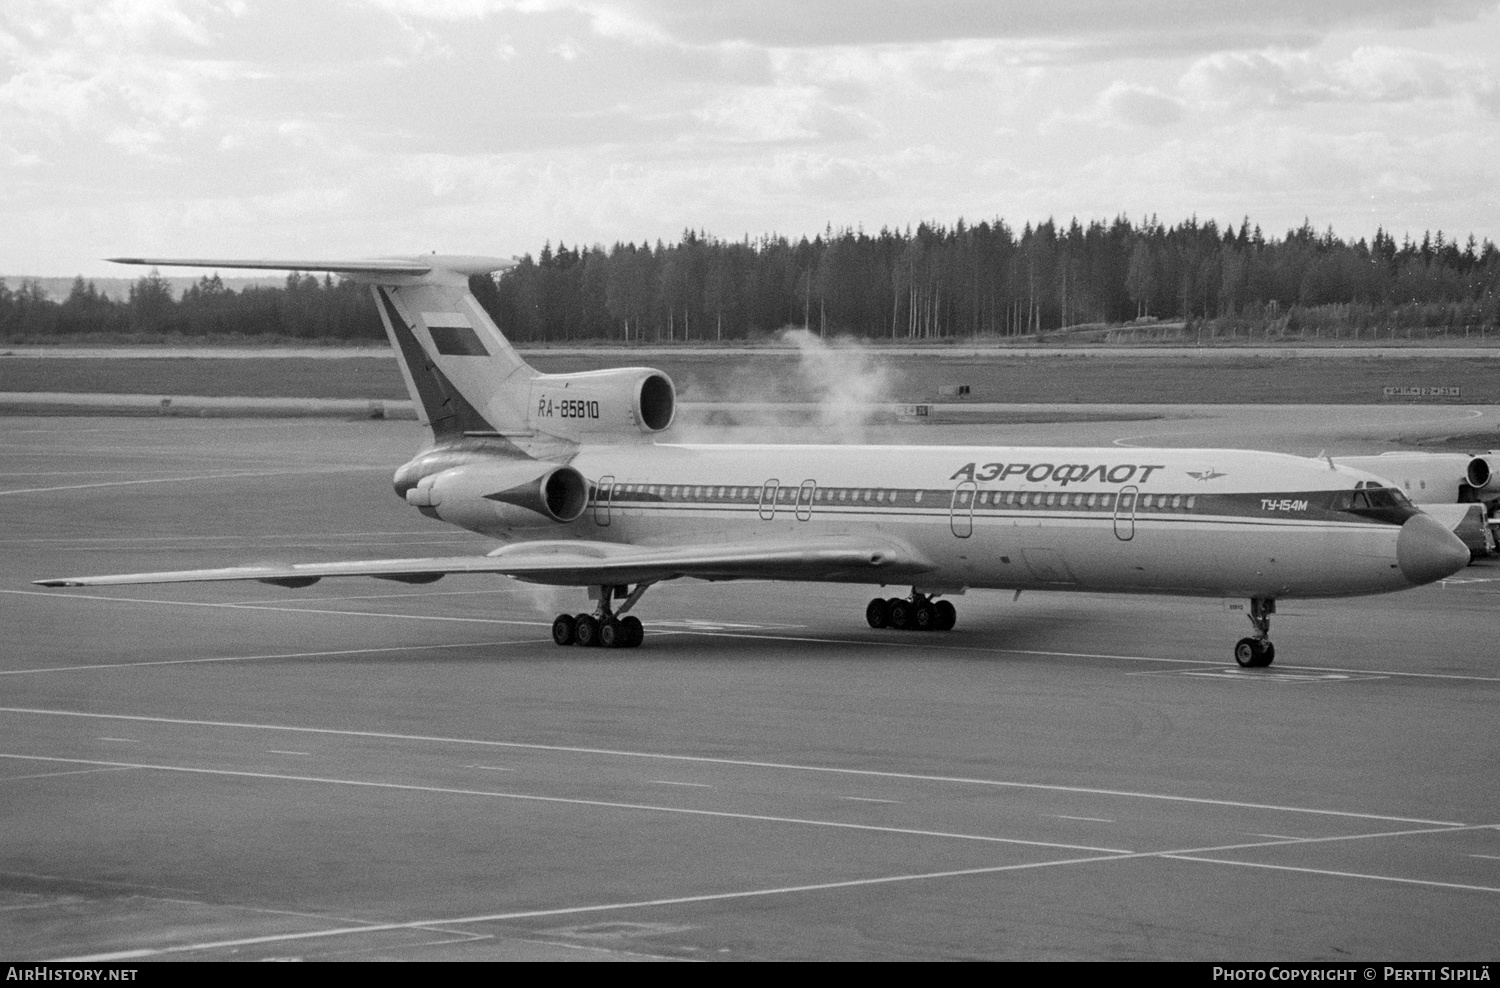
580 563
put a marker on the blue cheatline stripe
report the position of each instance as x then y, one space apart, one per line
1278 507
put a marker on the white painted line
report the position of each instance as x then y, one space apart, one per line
1335 874
121 740
53 775
605 804
675 901
261 607
1487 857
1087 819
569 910
98 881
933 646
867 799
63 594
204 476
259 539
276 751
665 782
744 763
1276 836
491 768
266 656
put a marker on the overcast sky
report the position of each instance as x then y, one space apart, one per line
365 127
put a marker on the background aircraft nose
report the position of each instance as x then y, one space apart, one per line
1427 551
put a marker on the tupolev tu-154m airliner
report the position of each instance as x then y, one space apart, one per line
569 473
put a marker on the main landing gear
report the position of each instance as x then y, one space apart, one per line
919 613
605 627
1257 652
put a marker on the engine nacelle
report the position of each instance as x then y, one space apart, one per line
493 498
621 402
1434 478
1482 475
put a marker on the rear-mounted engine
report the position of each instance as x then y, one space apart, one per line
497 497
621 402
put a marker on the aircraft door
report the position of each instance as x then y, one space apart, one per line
805 499
768 499
1125 513
961 510
604 496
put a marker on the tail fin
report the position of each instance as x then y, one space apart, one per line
463 375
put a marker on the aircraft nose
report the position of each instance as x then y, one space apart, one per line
1427 551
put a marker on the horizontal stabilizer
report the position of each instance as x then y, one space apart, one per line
422 264
577 563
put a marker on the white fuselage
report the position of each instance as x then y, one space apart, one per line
1197 522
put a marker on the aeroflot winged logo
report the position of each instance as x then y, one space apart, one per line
1063 473
1205 475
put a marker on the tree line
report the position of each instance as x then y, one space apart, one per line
931 283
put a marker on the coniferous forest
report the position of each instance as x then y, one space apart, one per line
933 283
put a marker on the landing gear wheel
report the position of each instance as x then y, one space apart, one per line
634 632
611 634
924 617
900 615
878 613
586 631
947 615
1254 653
563 629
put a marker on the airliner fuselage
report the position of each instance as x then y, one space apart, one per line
1220 523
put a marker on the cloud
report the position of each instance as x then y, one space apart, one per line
818 23
1370 74
1135 105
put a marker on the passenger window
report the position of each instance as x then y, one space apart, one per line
1192 500
880 496
1177 500
1092 499
1050 499
918 497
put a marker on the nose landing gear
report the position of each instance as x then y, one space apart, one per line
1257 652
919 613
606 627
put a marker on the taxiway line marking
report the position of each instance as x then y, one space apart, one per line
203 476
668 782
1487 857
743 763
1062 655
491 768
1183 854
123 740
1334 874
277 751
930 646
741 634
605 804
869 799
289 610
90 540
1088 819
53 775
271 655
